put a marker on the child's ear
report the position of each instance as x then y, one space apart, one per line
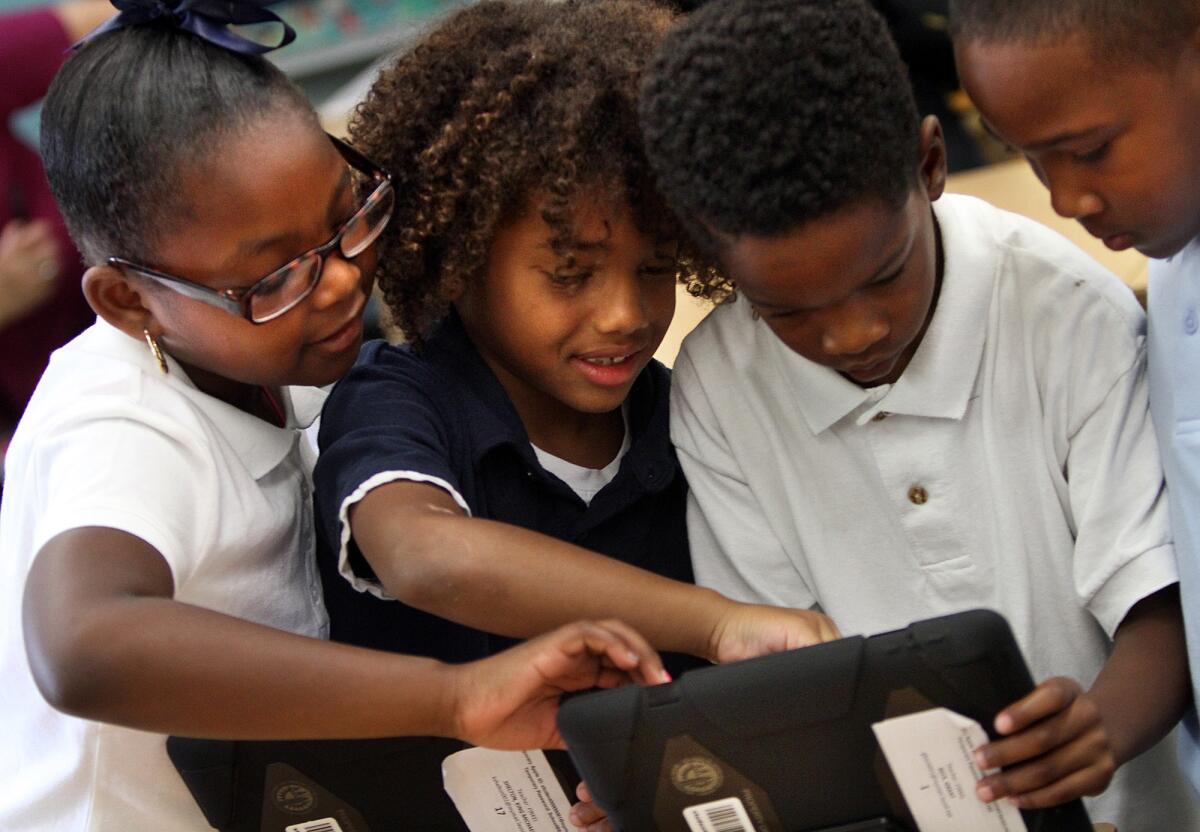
115 299
932 170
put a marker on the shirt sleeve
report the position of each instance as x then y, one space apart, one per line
380 425
1123 544
140 475
733 548
33 45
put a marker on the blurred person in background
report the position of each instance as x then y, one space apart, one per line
920 28
41 305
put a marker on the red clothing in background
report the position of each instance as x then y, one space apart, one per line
33 45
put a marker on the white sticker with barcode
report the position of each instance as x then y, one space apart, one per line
322 825
726 815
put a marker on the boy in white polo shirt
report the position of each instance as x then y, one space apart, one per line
1103 99
916 408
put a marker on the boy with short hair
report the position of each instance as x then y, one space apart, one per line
916 408
1103 98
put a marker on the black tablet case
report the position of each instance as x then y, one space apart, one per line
791 733
379 785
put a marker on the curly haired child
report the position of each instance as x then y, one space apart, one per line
509 468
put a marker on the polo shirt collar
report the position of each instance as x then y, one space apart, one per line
493 421
491 418
651 455
940 378
260 445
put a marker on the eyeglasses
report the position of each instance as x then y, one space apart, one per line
271 296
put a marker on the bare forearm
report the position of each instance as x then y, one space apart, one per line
159 665
506 579
509 580
1144 687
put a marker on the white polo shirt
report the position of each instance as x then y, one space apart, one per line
1175 402
107 440
1013 466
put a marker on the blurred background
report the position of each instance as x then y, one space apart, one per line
339 41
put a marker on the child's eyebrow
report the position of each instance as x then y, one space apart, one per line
577 244
251 248
897 259
991 131
1063 138
1042 144
335 215
893 262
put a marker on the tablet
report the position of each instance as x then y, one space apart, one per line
790 735
375 785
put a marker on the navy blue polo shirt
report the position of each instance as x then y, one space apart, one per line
443 414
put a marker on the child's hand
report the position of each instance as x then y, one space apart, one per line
749 630
586 815
29 264
1055 748
510 700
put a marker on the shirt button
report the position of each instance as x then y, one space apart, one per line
1190 322
918 496
880 416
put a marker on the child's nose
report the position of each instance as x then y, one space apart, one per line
339 277
1070 195
621 306
854 331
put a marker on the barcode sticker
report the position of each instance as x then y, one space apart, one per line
322 825
727 815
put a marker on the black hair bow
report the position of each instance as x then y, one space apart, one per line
209 19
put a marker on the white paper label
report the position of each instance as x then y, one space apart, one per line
930 756
322 825
727 815
506 791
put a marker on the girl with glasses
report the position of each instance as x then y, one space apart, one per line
156 533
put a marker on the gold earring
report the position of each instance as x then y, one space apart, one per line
156 351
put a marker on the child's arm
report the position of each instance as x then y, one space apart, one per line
106 642
1062 743
508 580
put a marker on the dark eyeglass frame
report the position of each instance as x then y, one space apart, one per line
237 301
